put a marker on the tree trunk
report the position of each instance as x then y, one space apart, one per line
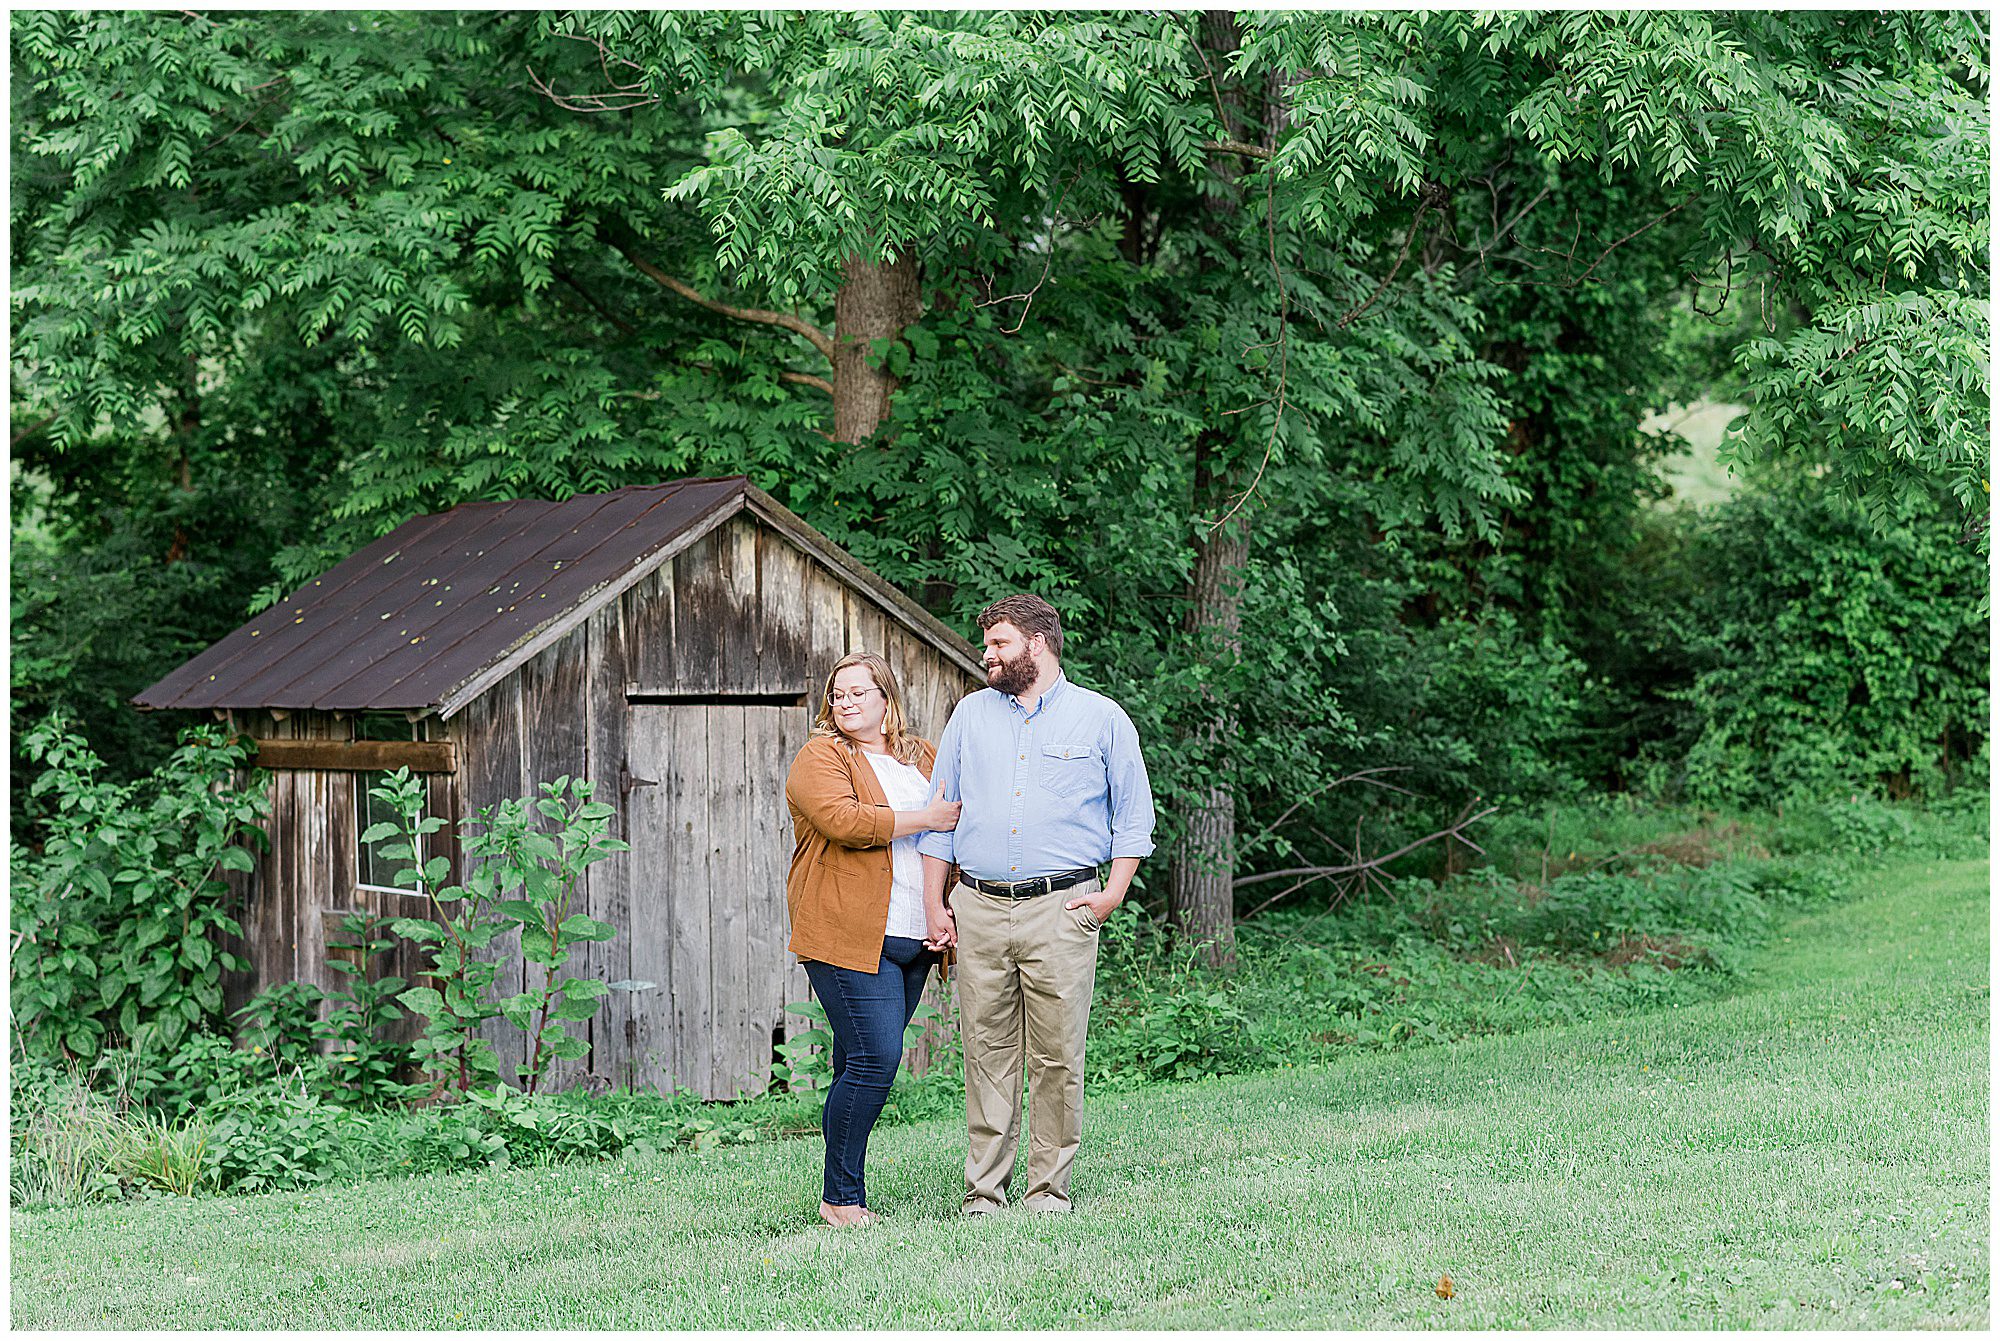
1201 899
1201 904
876 301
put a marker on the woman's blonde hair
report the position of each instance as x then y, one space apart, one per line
903 743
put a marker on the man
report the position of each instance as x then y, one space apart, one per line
1053 787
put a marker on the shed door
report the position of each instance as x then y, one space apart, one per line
711 841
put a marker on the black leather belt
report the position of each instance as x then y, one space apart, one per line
1028 889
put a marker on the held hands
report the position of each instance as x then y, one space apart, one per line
941 814
941 929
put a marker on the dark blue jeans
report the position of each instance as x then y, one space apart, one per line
868 1013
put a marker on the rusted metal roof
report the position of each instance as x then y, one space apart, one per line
442 607
405 620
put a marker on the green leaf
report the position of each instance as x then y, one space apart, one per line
520 1009
575 1008
424 1001
578 927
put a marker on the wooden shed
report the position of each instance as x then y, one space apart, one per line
666 642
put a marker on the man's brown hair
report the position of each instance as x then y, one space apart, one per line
1030 614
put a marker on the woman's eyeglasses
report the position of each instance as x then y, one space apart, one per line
836 698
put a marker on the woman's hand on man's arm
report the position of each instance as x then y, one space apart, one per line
939 814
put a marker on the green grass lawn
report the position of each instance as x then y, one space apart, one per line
1809 1152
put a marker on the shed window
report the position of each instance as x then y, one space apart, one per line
377 871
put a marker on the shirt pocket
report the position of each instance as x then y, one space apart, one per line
1071 771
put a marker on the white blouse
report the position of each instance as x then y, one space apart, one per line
907 789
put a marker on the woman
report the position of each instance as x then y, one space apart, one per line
857 793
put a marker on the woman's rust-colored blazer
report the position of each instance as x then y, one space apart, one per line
837 890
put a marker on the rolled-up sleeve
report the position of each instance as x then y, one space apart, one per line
1131 790
939 843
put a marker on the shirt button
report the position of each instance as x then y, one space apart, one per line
1013 868
1024 756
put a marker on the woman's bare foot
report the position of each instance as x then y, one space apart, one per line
847 1217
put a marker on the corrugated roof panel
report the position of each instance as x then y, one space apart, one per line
274 634
416 613
598 550
373 617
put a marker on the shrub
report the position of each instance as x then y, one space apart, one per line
115 917
1833 656
283 1134
1159 1013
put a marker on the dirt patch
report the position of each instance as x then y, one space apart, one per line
1704 846
1669 952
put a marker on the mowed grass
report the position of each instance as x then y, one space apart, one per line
1811 1152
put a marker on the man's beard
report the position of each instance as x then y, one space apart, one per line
1013 677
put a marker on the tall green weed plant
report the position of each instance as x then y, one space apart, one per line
116 918
520 878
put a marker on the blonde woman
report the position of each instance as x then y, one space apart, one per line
858 796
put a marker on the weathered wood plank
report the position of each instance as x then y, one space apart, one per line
319 892
743 632
826 631
493 770
276 961
797 985
651 828
607 885
734 1060
784 632
684 773
556 745
867 626
416 755
247 889
647 612
702 612
775 739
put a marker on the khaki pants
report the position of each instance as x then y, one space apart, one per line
1025 972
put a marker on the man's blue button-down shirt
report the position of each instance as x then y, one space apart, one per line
1046 789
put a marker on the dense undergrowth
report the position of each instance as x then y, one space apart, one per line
1581 912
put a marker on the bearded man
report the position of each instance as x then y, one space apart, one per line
1053 788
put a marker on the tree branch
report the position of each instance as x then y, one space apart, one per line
1634 233
1570 259
624 326
806 379
1284 352
1389 278
36 427
1239 148
620 98
818 338
1214 88
1366 775
1027 300
1451 830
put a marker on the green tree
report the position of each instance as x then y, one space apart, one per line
1106 304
